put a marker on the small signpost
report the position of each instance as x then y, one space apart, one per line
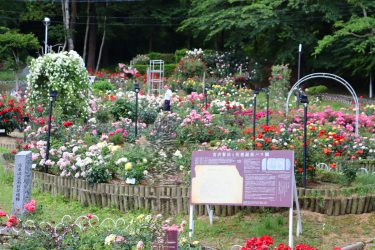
21 182
244 178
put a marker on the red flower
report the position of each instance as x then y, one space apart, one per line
14 151
332 165
248 131
12 221
300 170
2 213
89 216
359 152
67 124
310 168
40 109
30 206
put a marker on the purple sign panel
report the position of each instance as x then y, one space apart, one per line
246 178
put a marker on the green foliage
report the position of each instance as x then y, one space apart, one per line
122 108
168 69
98 174
117 139
315 90
15 46
103 115
350 173
190 67
279 85
103 86
166 57
180 53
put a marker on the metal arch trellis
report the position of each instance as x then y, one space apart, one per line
333 77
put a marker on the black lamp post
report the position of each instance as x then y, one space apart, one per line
256 92
206 88
25 120
52 97
136 90
265 90
304 101
299 72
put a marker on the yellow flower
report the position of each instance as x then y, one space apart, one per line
183 240
195 243
109 239
114 148
128 166
140 217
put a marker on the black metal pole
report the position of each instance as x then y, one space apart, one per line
305 145
206 98
254 114
267 109
136 113
49 132
299 71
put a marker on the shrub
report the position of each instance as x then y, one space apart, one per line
98 174
140 59
315 90
122 108
102 86
117 139
279 86
180 53
148 116
10 114
166 57
64 73
103 116
350 173
191 67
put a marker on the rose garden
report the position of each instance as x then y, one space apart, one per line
120 166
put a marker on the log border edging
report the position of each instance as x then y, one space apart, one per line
173 199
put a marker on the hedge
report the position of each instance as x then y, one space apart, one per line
168 69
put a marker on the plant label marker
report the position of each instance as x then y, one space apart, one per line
244 178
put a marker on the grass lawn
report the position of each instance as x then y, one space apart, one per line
321 231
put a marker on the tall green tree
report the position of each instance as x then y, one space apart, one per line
15 48
352 40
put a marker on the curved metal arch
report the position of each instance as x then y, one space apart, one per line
333 77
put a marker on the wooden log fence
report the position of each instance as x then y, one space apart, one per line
174 199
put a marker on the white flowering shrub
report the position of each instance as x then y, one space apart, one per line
64 73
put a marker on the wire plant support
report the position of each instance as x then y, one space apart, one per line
155 77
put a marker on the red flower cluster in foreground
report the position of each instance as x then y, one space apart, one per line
265 242
30 206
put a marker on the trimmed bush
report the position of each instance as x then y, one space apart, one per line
168 69
102 86
315 90
180 53
166 57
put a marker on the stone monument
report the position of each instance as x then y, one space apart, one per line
21 182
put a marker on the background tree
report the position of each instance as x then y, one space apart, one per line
15 48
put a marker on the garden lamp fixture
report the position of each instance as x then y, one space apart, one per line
136 90
206 88
46 22
256 92
266 90
299 72
52 97
304 100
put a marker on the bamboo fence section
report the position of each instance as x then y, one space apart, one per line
175 199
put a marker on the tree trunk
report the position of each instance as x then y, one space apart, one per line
64 21
73 20
87 31
92 40
102 44
67 25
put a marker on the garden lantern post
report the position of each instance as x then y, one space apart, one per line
299 71
256 92
136 89
206 95
52 97
268 102
304 101
46 22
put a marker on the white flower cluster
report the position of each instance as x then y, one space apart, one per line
64 73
